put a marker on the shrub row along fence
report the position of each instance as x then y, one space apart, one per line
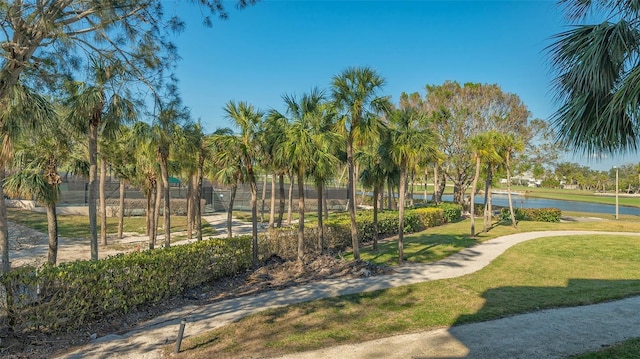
63 297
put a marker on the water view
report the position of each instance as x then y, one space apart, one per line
528 202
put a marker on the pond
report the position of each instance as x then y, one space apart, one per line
528 202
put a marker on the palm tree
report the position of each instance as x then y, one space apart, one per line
226 166
355 94
165 127
307 143
123 164
147 173
476 143
510 145
372 176
484 148
408 145
492 159
22 109
247 119
39 180
95 108
598 82
274 126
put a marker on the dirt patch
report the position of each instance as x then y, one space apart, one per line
274 273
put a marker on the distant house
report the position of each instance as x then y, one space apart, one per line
523 179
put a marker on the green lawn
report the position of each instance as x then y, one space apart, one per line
544 273
439 242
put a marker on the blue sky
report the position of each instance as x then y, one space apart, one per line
278 47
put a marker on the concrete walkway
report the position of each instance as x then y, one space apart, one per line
147 340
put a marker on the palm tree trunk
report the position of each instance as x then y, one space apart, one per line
487 197
282 197
149 202
52 228
198 196
351 198
325 204
389 196
411 189
158 201
93 169
121 208
190 204
263 199
290 200
300 214
442 184
234 190
272 205
4 232
167 201
472 207
254 215
375 216
513 216
426 178
403 181
103 201
436 185
320 189
152 214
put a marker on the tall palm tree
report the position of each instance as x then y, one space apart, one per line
408 145
22 109
484 149
226 166
147 173
39 180
274 126
372 176
94 107
307 143
248 119
510 145
355 94
166 125
120 110
598 77
123 164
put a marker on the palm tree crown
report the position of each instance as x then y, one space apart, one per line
598 80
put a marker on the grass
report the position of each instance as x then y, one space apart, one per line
77 226
628 349
442 241
545 273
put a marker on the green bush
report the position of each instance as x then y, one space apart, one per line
415 220
62 297
532 214
452 212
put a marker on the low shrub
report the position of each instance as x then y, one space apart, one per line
54 298
532 214
451 212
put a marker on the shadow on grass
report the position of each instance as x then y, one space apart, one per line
546 333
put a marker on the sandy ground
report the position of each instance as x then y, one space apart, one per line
28 246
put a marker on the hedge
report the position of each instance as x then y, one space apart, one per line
532 214
338 230
63 297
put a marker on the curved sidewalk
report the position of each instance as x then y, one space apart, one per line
148 338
